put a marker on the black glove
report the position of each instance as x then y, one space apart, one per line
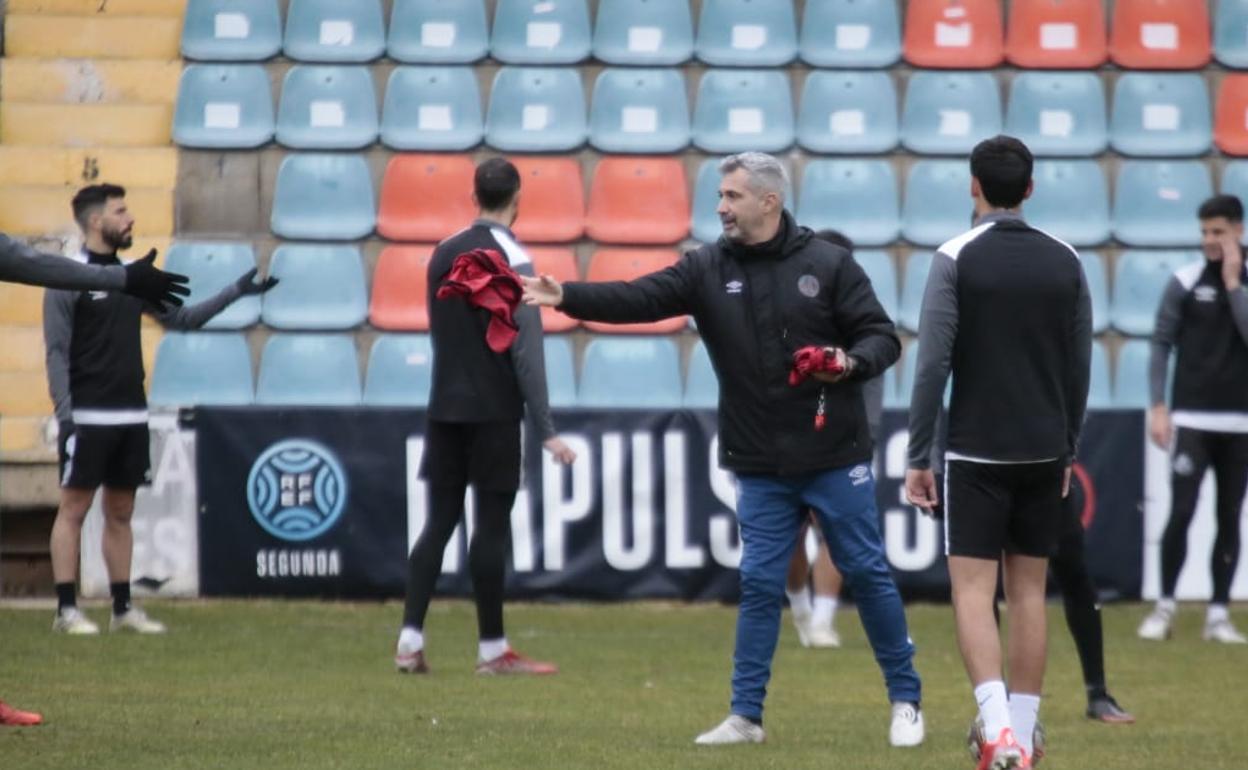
147 282
246 284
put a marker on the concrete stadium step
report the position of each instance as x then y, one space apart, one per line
33 211
90 81
21 349
91 37
24 394
27 481
20 305
172 8
85 125
155 167
25 435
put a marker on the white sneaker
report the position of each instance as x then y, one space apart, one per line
136 620
1222 631
1156 627
801 621
734 729
71 621
822 636
907 726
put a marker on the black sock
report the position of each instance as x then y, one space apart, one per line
754 720
66 595
121 597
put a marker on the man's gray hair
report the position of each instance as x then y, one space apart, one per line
766 173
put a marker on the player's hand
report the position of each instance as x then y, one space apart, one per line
542 291
1232 262
846 367
560 450
1159 428
147 282
921 490
247 283
1066 482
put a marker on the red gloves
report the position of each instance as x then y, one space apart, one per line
812 359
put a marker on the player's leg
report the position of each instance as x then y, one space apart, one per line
81 473
826 580
797 586
129 467
1230 467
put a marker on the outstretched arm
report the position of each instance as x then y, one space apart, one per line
195 316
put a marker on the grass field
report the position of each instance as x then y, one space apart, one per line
311 685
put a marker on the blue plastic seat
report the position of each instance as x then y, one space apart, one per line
438 31
1098 288
1058 113
560 371
878 265
1161 115
1235 179
223 106
211 267
536 109
638 372
334 31
1155 202
432 108
323 197
322 288
857 197
745 33
540 32
913 284
326 107
643 32
704 223
1070 200
231 30
702 384
948 113
1100 394
309 370
202 368
1140 278
639 110
937 203
400 371
1230 25
848 112
850 33
1131 376
905 379
740 110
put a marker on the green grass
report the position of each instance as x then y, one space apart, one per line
311 685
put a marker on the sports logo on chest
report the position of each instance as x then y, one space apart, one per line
733 287
808 285
98 295
1205 293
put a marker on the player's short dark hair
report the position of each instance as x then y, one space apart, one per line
92 198
496 182
836 238
1003 166
1227 206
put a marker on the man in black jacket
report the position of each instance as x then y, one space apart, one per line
764 291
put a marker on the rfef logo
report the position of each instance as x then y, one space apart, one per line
297 490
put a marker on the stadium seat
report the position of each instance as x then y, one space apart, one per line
636 372
705 225
1160 115
425 198
223 106
738 110
878 265
1155 202
639 110
848 113
744 33
231 30
400 371
1098 288
1057 34
326 107
438 31
202 368
1230 33
432 109
1139 280
1131 375
552 203
1230 125
560 372
535 109
323 197
1070 200
211 267
309 370
913 284
948 113
850 33
540 32
957 34
1058 113
1100 395
333 31
1160 34
857 197
937 203
322 288
702 384
1235 179
638 201
625 265
400 300
643 32
560 263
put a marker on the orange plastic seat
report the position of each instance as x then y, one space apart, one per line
552 200
425 198
638 200
1160 34
954 34
400 298
1056 34
1230 118
561 265
625 265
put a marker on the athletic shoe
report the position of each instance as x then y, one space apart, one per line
734 729
1039 742
906 728
1003 754
409 662
15 718
1106 709
1156 627
70 620
512 662
1222 631
801 622
822 636
975 741
136 620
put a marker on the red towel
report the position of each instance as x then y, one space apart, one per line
485 279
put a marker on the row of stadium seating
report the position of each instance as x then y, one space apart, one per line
1143 34
536 109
